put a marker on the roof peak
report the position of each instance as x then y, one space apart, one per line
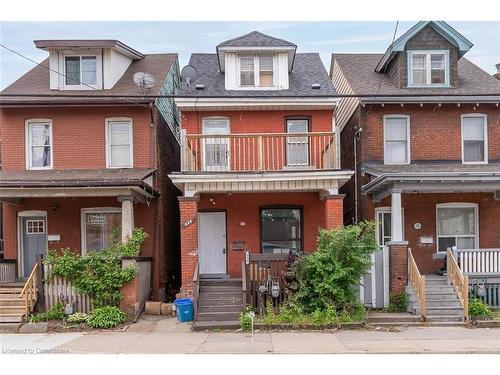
256 39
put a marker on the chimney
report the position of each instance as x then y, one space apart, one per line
497 74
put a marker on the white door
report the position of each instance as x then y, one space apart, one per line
216 149
212 242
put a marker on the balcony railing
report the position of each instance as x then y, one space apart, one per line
259 152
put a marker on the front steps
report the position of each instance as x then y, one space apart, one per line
442 304
11 304
220 303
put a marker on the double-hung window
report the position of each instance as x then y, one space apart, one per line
457 225
474 139
257 71
247 71
80 70
396 139
119 143
428 68
39 144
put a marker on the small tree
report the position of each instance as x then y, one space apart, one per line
328 276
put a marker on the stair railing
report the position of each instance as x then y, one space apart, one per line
459 281
417 281
29 292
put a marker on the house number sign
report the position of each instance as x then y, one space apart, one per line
189 222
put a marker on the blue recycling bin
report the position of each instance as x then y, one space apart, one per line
184 309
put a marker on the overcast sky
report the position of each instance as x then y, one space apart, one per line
185 38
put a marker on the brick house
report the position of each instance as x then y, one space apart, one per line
421 130
259 163
80 159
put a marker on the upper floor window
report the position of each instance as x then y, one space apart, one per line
396 139
474 139
39 144
80 70
257 71
428 68
119 143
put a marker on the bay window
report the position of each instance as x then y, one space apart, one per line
457 225
39 144
100 226
396 139
428 68
281 230
474 139
119 143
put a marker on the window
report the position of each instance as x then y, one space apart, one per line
427 68
396 139
81 70
474 139
39 144
257 71
297 148
457 225
216 150
281 230
35 226
119 143
98 227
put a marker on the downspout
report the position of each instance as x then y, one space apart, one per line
356 138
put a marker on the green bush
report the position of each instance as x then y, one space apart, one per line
478 308
398 302
328 276
106 317
77 318
246 319
55 313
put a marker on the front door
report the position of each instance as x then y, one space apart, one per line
34 239
212 243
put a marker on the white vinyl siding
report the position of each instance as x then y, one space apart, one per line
396 139
119 143
474 139
457 225
39 149
428 68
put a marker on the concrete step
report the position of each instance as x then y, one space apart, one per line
220 294
11 318
221 308
445 324
230 324
398 320
203 301
454 303
444 310
435 277
443 318
220 282
217 316
221 289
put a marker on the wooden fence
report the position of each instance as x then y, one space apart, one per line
7 270
261 271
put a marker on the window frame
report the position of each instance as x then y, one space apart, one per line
428 68
283 206
28 146
458 205
408 138
81 85
485 126
92 210
309 127
218 168
256 72
107 125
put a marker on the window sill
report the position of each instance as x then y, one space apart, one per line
40 168
474 162
435 86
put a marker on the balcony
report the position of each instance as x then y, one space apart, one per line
259 152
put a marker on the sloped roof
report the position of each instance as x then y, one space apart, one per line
359 70
308 69
35 83
256 39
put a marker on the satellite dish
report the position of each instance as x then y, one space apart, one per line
144 81
189 74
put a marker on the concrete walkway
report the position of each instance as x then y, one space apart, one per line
166 335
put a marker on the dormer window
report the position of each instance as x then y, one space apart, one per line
428 68
257 71
81 70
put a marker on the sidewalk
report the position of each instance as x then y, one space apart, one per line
166 335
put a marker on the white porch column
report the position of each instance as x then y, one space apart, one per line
127 216
396 217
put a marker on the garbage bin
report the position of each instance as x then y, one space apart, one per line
184 309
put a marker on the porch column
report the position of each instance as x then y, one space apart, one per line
189 243
127 216
334 210
398 249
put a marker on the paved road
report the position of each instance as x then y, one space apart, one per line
166 335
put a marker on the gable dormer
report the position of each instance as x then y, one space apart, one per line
425 56
87 64
256 61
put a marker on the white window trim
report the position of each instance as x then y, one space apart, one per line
408 137
256 72
385 210
203 122
82 86
27 142
485 124
458 205
107 121
409 63
96 210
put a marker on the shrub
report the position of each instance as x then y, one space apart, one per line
55 313
478 308
328 276
77 318
106 317
246 319
398 302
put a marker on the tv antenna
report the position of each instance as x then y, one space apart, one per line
144 81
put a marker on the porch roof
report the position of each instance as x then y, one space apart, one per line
14 184
431 177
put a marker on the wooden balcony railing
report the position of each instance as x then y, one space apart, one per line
478 262
417 281
459 281
258 152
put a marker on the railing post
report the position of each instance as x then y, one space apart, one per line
40 301
466 297
260 153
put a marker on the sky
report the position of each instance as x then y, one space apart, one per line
185 38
